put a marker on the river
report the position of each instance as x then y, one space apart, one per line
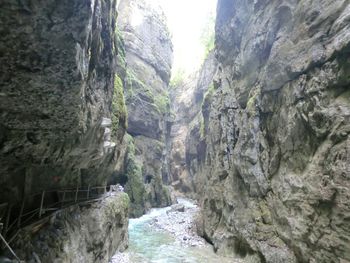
160 237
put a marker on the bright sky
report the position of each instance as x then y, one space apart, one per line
186 19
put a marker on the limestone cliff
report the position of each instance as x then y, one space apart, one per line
188 145
62 112
148 58
57 85
277 168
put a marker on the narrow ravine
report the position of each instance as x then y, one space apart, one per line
168 235
242 106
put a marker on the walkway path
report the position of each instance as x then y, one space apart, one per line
35 207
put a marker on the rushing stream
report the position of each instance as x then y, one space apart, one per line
148 243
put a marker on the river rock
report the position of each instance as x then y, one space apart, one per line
180 222
177 208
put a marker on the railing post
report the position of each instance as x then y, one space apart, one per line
20 213
105 189
41 204
9 248
88 192
7 220
76 194
64 196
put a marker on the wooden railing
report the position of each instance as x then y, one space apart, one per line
50 201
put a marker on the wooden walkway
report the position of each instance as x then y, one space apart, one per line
33 207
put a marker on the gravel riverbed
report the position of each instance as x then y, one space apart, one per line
179 222
181 241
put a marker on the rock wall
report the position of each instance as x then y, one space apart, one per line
57 85
188 145
91 232
148 59
62 120
278 161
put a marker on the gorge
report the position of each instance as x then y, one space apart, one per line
94 130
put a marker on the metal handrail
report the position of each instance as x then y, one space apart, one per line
44 208
90 193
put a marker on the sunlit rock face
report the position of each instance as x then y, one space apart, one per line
148 56
277 168
188 145
57 81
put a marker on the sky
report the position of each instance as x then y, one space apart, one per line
186 19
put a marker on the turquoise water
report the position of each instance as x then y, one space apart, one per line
148 245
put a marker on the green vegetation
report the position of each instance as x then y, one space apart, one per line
120 43
134 187
123 202
177 78
251 103
166 194
119 50
208 35
134 87
208 95
162 102
119 111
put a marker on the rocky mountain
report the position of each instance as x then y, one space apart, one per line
148 59
276 171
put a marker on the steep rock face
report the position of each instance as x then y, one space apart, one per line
148 57
82 233
57 85
188 144
63 120
277 163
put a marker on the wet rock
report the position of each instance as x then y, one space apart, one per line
177 208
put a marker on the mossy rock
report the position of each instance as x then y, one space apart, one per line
134 187
208 95
123 202
163 103
251 107
119 111
207 101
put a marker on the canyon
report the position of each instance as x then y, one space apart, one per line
258 135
